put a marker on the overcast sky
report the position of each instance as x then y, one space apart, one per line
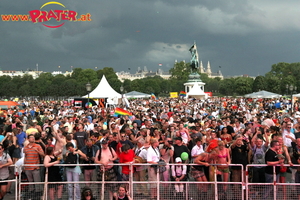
241 36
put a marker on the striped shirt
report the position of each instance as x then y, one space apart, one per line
32 156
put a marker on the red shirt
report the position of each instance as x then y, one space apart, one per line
124 158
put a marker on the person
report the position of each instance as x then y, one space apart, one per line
203 162
179 148
106 156
179 173
5 162
140 171
272 159
73 172
80 136
87 194
166 150
127 156
258 157
197 149
223 159
50 161
287 159
239 156
32 154
153 157
90 151
121 194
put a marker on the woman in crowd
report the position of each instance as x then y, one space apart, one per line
223 159
50 161
121 194
226 137
184 134
283 152
87 194
5 162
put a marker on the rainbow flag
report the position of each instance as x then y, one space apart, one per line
120 111
182 93
153 96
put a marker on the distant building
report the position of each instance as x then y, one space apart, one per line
35 74
142 73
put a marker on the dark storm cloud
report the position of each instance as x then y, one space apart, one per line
243 37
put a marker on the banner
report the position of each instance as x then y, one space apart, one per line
209 94
173 94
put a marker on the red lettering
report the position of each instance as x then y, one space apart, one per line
5 17
58 14
34 15
72 15
51 14
43 16
64 15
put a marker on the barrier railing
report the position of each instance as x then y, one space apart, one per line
277 188
192 189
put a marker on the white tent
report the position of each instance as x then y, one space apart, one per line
104 90
135 94
196 93
296 95
263 94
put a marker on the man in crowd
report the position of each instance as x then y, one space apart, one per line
32 153
90 151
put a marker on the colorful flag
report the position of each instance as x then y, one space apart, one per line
120 111
160 64
153 96
182 93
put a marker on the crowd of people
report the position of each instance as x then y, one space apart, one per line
214 134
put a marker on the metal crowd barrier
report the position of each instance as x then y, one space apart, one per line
275 189
213 190
164 189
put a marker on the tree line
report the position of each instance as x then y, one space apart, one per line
282 79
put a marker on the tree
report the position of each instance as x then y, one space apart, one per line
259 84
180 71
243 85
227 87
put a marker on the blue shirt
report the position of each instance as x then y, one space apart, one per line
21 138
1 138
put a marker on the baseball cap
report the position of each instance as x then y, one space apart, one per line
178 159
178 138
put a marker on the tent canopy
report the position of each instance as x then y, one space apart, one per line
135 94
103 90
296 95
263 94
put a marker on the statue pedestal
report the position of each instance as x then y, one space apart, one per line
195 87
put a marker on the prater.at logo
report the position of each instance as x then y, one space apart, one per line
44 16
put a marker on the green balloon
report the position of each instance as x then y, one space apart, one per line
184 156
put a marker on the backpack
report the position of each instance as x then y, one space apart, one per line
71 160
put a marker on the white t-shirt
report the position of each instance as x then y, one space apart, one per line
153 155
196 150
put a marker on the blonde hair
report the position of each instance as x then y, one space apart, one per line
153 140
